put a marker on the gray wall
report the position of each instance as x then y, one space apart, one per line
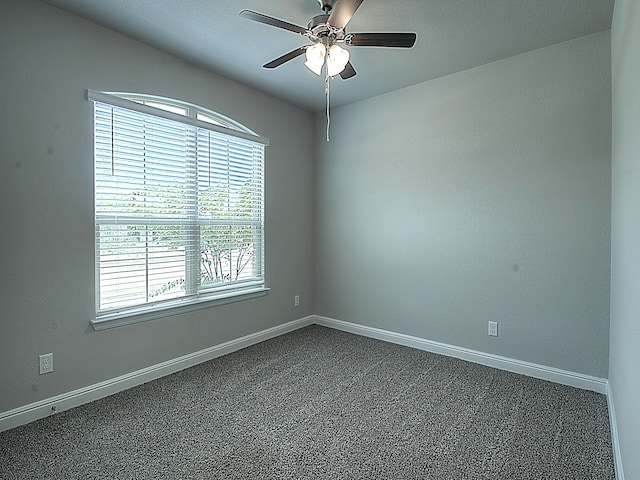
481 196
624 360
48 59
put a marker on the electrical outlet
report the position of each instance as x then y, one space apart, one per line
296 301
493 329
46 363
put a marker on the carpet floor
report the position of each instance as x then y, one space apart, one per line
319 403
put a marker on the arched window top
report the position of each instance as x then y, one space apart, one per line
185 109
179 111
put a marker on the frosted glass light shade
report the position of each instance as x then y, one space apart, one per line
337 59
315 58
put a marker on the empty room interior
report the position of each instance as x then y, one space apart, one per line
441 240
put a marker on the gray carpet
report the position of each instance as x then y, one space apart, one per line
323 404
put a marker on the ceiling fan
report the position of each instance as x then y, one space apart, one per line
326 31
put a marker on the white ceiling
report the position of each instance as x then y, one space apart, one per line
453 35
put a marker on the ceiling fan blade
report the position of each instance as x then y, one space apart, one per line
285 58
274 22
342 12
400 40
348 71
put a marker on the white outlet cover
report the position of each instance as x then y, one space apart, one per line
493 329
46 363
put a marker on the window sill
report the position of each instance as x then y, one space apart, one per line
151 313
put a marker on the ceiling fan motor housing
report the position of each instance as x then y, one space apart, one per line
317 21
321 31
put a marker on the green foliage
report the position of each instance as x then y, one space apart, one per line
167 287
230 246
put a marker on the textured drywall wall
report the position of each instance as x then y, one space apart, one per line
48 60
482 196
624 364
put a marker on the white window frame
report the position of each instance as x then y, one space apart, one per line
203 120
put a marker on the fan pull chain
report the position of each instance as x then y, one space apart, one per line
327 93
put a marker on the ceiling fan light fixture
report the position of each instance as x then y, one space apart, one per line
337 60
315 57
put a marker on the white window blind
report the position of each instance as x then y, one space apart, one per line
179 210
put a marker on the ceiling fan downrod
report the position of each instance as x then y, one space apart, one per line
327 5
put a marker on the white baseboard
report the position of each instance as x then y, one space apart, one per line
617 456
59 403
543 372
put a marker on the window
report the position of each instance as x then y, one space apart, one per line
179 211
